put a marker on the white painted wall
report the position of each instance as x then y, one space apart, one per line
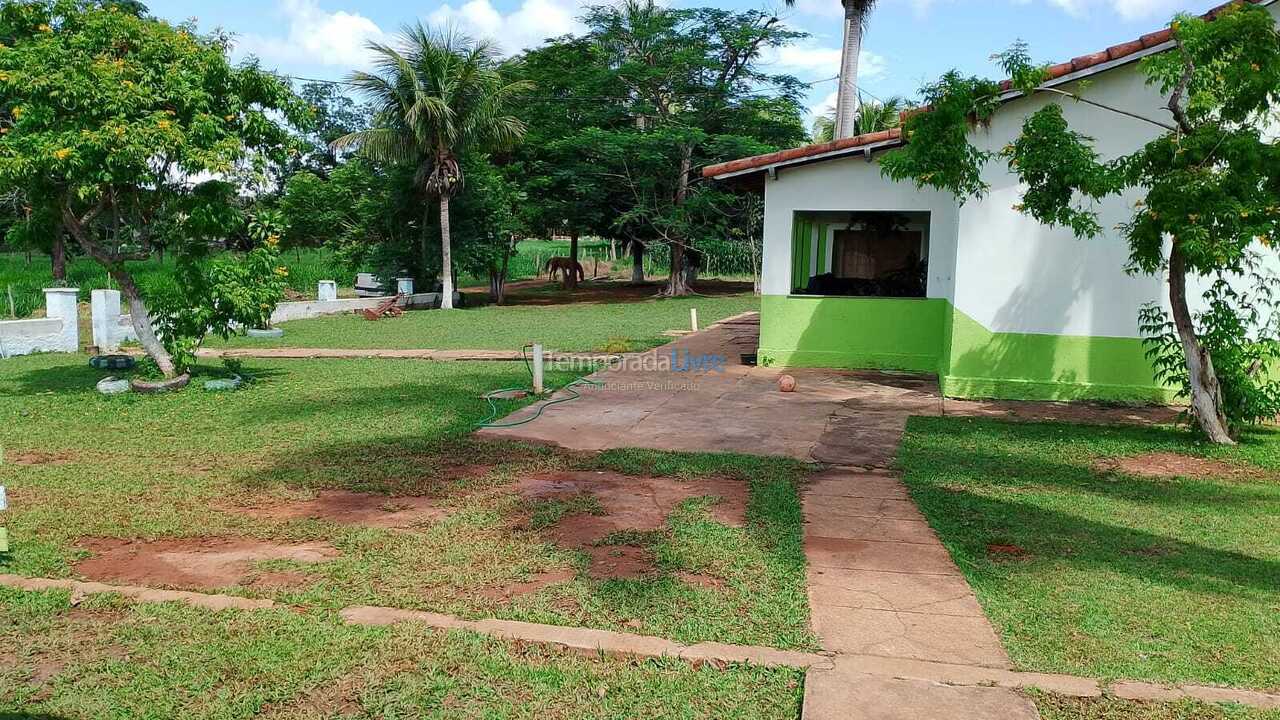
997 265
58 331
842 185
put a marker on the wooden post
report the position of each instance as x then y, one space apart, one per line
537 369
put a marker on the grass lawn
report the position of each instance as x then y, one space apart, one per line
1091 570
185 466
619 326
106 658
1110 708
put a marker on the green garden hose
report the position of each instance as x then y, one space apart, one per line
490 397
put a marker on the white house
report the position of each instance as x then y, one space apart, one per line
1010 308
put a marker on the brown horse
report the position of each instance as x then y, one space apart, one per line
565 266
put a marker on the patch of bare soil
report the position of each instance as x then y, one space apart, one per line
351 508
1170 465
699 580
631 506
1084 413
39 457
602 290
193 563
1000 551
533 585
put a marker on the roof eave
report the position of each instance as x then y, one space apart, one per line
865 150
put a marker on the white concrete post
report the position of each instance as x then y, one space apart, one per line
693 318
60 304
404 286
106 319
327 291
537 369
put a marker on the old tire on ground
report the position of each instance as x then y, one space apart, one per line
160 386
112 362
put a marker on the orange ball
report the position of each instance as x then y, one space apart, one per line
787 384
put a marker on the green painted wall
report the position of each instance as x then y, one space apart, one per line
885 333
929 335
1045 367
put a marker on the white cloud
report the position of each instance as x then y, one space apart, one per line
827 105
1127 9
814 62
525 27
315 36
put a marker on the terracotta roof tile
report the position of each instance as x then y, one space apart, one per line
1084 62
1115 52
1159 37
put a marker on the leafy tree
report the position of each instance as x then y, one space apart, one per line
572 82
436 97
871 117
488 224
336 115
1209 183
102 109
693 78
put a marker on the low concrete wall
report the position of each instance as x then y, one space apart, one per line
59 331
315 308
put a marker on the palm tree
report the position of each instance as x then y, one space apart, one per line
436 96
871 117
856 13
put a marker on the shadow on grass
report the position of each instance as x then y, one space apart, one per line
79 378
982 483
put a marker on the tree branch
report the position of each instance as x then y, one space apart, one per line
1109 108
1175 100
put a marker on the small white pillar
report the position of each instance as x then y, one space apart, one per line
327 291
106 319
404 286
693 318
537 369
60 303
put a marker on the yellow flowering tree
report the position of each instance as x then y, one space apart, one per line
106 120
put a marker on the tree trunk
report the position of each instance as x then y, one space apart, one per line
571 277
141 320
139 316
422 241
58 256
677 283
446 257
847 100
637 262
1206 393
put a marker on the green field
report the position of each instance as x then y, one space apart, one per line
1089 570
107 658
178 467
578 327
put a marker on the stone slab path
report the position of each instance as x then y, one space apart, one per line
881 585
876 679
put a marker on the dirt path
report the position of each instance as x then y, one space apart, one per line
882 587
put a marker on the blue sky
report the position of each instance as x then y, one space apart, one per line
908 41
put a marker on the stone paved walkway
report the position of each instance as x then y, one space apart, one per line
880 582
